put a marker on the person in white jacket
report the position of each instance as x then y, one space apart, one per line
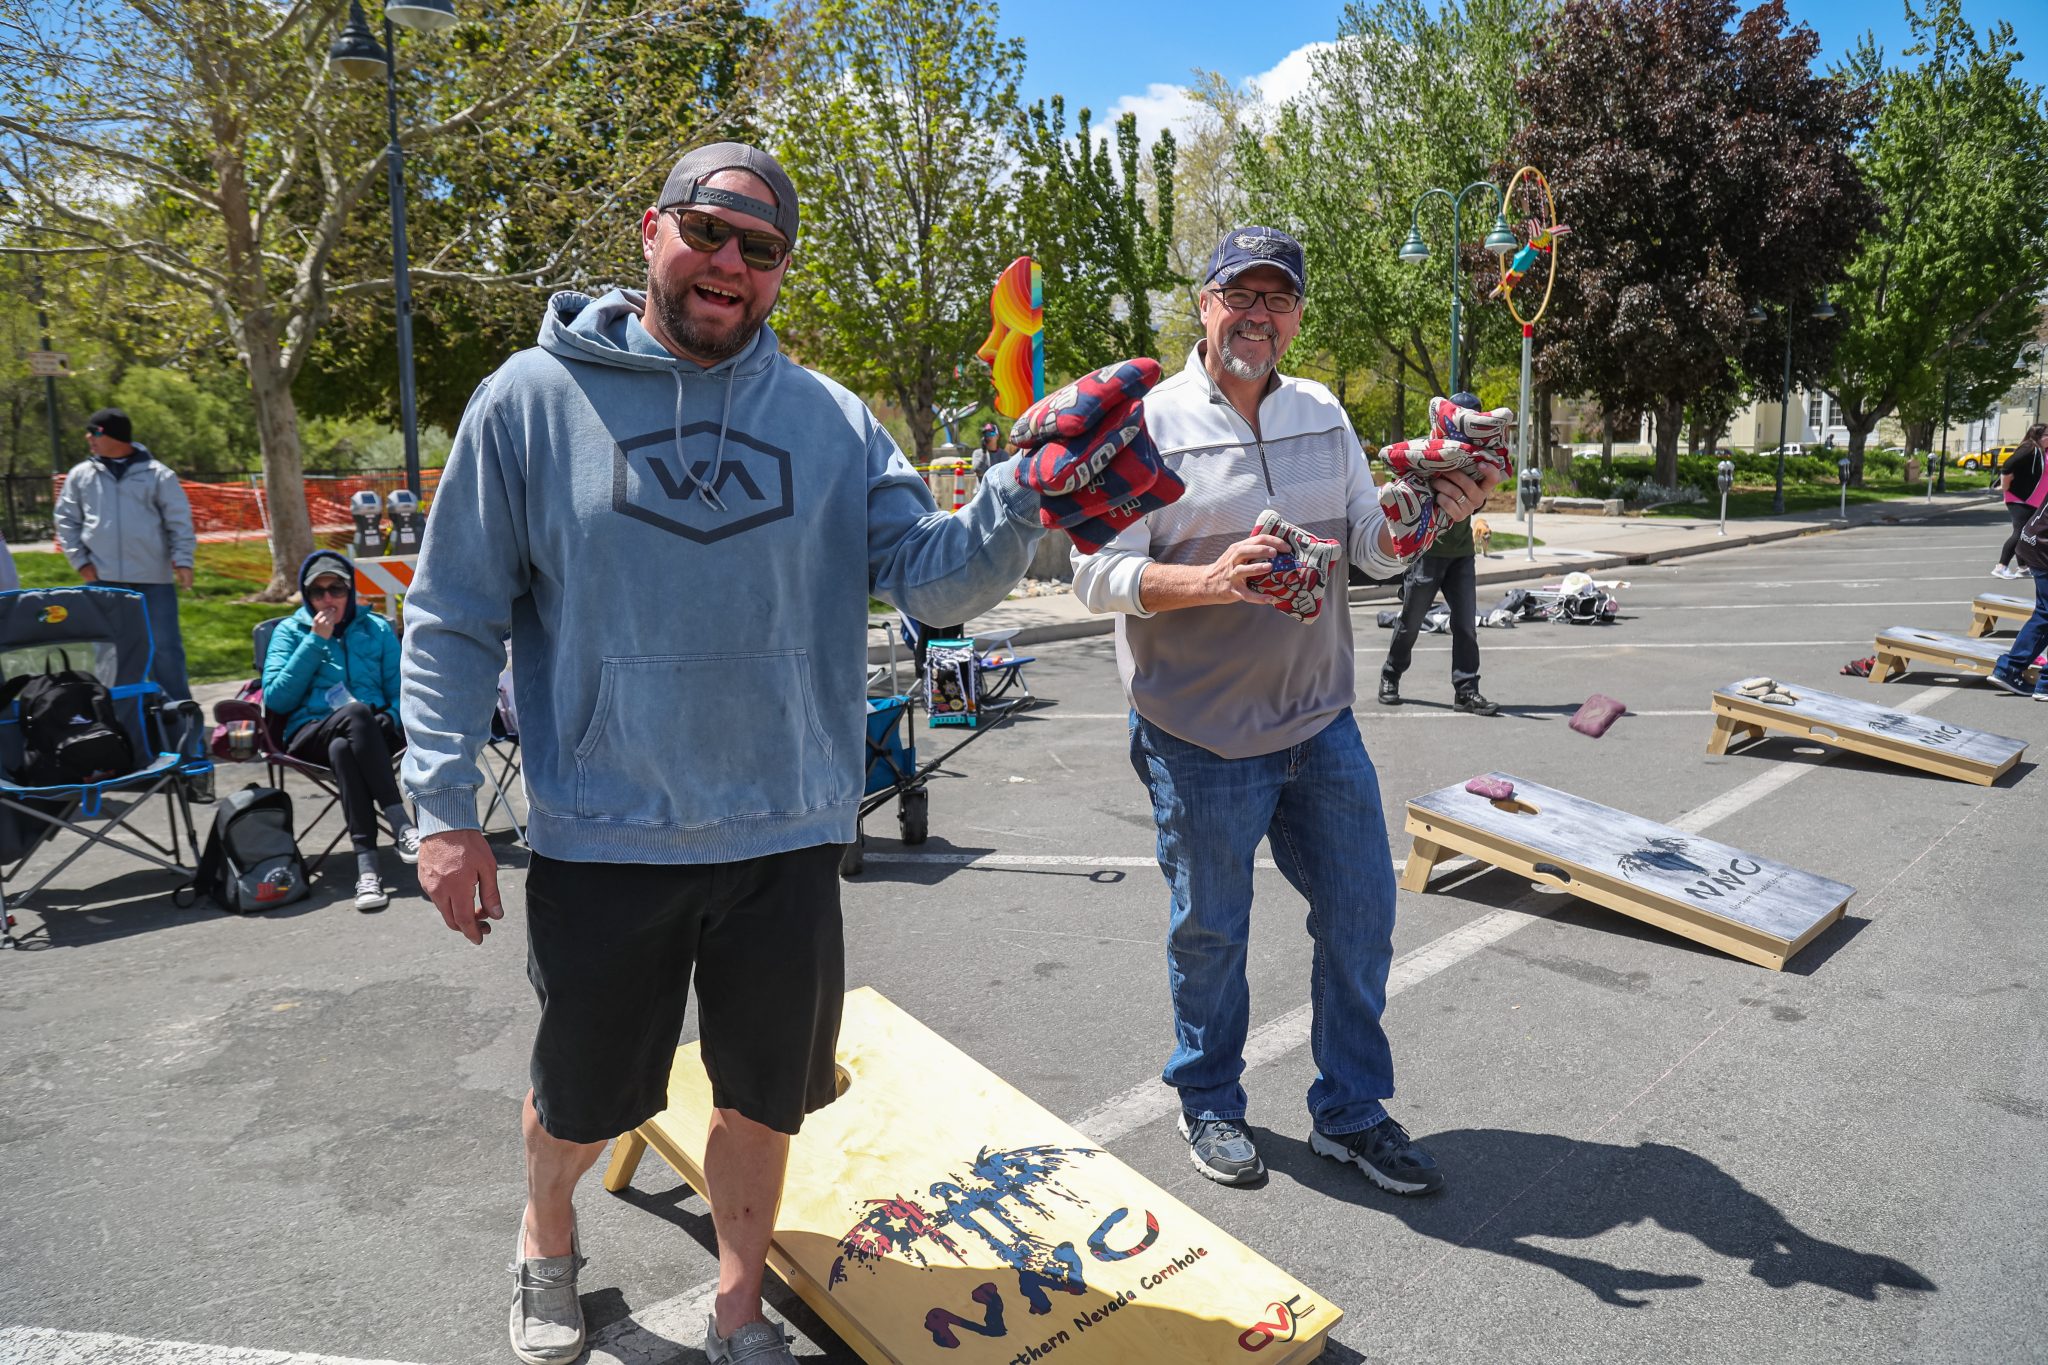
1241 724
124 522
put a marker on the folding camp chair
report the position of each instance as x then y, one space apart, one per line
499 760
1002 668
277 757
103 631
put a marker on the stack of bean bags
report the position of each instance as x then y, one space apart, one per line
1087 455
1462 437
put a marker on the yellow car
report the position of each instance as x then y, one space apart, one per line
1985 459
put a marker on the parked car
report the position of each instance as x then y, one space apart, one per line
1985 459
1789 448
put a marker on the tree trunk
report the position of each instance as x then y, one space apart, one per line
284 479
1668 420
1606 443
1400 430
1858 435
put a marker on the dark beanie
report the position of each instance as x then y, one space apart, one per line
111 422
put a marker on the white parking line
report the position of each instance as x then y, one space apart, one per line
46 1346
1151 1100
1632 608
1606 641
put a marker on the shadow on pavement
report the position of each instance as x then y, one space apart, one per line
1506 1187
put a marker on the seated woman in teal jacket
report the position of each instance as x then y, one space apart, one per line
332 670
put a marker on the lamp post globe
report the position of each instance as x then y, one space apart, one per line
422 16
356 50
1501 240
1414 251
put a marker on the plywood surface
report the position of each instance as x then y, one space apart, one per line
1931 646
1706 880
1890 733
935 1214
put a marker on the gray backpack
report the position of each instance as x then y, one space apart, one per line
251 861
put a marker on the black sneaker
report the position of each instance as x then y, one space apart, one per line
1473 704
2012 685
1222 1150
1387 1155
1390 691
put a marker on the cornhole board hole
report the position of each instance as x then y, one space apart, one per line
1738 903
1992 607
934 1214
1901 648
1842 723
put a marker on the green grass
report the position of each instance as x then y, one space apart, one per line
1509 540
214 618
1755 501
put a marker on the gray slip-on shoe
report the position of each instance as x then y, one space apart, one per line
756 1343
547 1317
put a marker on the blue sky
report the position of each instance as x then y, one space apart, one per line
1111 55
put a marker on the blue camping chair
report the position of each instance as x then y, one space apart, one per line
104 631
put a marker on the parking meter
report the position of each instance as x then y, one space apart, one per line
1530 487
1843 465
367 511
406 522
1724 479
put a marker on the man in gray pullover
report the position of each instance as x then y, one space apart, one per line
124 522
678 527
1241 724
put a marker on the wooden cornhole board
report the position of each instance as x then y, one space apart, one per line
1934 746
934 1214
1992 607
1900 647
1739 903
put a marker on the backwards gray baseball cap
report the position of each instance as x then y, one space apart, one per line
686 184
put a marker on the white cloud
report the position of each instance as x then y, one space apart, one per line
1164 105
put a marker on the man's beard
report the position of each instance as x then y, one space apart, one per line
1248 369
685 331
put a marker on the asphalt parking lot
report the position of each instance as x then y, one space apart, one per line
297 1133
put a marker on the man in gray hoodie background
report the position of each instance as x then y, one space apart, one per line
678 528
124 522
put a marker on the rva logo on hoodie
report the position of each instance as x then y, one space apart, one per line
679 481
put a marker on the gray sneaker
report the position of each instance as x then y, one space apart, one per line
408 845
1222 1150
547 1317
757 1343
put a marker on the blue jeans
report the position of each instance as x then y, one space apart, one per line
168 663
2033 636
1319 802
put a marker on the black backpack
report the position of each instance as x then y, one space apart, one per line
69 732
251 861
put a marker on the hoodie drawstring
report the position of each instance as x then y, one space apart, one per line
704 490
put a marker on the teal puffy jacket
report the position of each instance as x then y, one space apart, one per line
302 668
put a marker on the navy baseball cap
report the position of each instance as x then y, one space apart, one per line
1245 248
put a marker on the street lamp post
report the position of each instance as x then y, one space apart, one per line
359 56
1822 311
1500 240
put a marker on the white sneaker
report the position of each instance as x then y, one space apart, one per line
2000 571
370 893
408 845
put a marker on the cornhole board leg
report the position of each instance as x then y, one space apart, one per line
1982 623
1990 608
1886 666
1737 903
1423 859
1858 727
933 1215
1730 730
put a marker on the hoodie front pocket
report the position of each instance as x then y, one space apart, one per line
699 739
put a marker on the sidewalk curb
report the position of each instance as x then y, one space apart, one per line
1363 594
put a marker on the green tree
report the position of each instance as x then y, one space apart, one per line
1959 252
890 120
1704 169
210 142
1101 254
1342 165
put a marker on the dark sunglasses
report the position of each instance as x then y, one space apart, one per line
702 232
337 590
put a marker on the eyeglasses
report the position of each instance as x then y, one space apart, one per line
702 232
1276 300
332 590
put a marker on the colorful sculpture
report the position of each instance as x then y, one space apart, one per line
1541 240
1015 349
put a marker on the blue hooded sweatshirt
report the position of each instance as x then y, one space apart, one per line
301 669
681 557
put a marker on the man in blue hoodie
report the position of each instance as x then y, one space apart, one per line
678 529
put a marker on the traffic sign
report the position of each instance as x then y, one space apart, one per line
49 364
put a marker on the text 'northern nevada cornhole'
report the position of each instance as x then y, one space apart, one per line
934 1214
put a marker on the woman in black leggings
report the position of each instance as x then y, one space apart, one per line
2021 478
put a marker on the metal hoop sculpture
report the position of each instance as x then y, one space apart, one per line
1532 249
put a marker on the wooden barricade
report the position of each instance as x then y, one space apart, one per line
934 1214
1742 904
